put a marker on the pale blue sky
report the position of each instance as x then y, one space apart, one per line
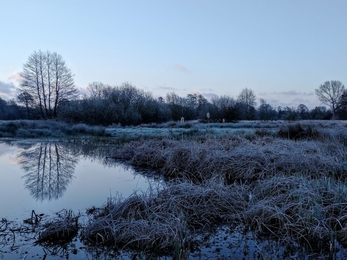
282 50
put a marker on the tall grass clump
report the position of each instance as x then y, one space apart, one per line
298 211
303 216
59 230
163 222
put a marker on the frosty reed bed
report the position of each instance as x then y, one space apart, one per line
238 158
301 215
289 189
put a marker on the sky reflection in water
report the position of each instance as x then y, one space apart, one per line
50 176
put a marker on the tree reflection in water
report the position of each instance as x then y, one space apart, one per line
49 168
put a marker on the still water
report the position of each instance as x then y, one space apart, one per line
49 176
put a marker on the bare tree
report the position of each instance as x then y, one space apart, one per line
49 82
247 98
27 100
329 94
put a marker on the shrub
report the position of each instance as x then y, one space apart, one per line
297 131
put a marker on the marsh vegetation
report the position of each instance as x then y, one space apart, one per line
281 186
287 184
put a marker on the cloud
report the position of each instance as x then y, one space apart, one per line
294 93
9 86
210 96
181 68
7 90
290 98
16 77
167 88
6 87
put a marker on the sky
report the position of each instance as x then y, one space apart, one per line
282 50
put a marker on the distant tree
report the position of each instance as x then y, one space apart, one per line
303 112
9 110
329 94
225 108
2 104
203 107
27 99
287 113
342 106
175 104
320 113
48 80
197 106
266 111
247 98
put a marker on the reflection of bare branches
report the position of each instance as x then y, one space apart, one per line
12 235
49 169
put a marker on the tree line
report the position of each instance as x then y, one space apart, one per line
48 91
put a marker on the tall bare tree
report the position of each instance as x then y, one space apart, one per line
49 81
247 99
247 96
329 94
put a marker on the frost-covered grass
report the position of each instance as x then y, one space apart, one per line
47 128
240 157
305 217
286 183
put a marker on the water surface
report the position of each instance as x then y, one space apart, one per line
50 176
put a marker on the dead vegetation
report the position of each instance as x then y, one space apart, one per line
242 158
59 230
285 188
164 221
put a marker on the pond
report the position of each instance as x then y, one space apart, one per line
47 177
